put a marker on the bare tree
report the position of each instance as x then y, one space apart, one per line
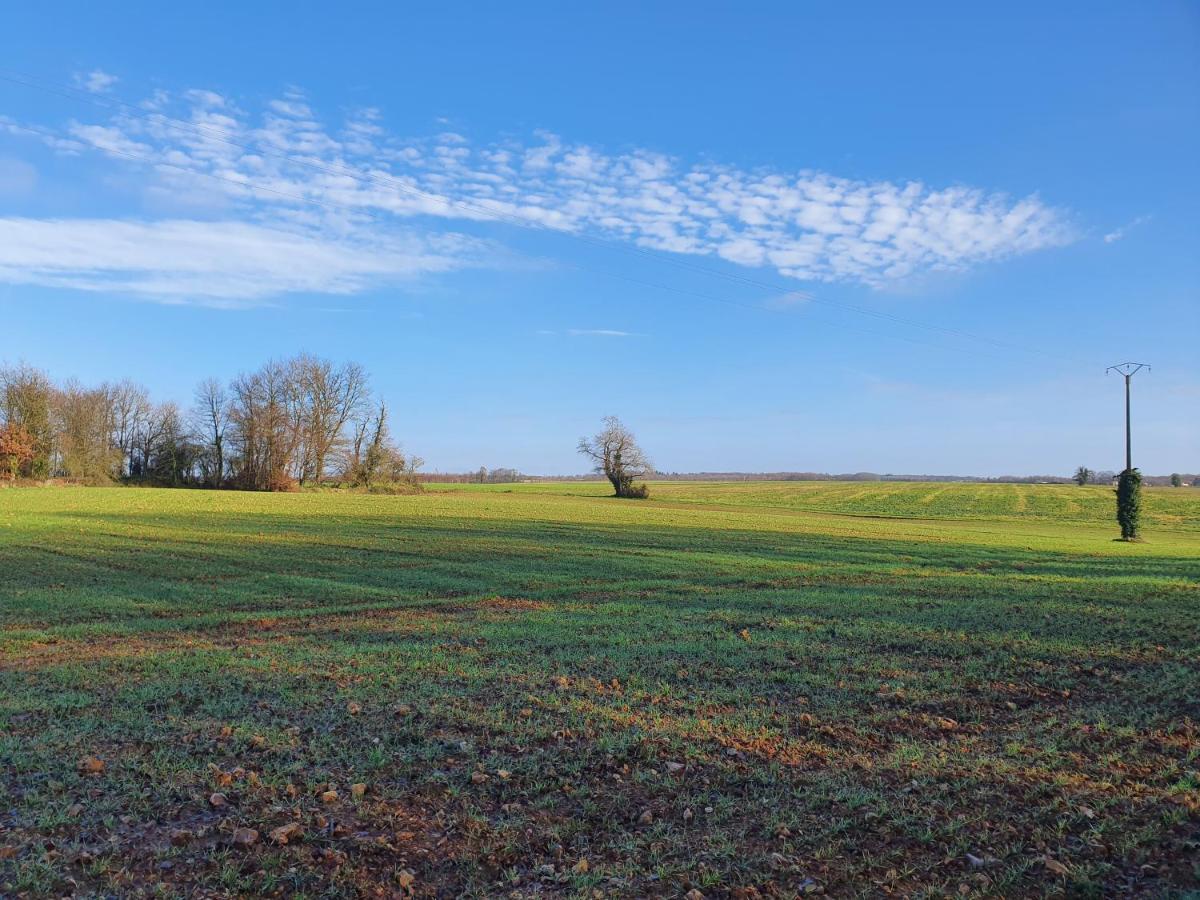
375 458
83 422
174 457
373 450
262 427
354 453
210 415
327 397
158 428
289 421
617 456
130 406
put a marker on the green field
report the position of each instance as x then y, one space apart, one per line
750 689
1171 509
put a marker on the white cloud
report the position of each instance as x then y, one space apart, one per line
790 300
215 263
284 166
48 136
110 140
96 81
1119 233
599 332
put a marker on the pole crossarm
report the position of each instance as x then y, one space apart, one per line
1127 368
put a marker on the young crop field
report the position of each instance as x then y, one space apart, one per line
1172 508
728 690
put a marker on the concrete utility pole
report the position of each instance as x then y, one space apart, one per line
1128 369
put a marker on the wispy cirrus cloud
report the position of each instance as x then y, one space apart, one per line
223 263
282 167
590 332
1118 233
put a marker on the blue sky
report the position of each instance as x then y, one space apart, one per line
768 236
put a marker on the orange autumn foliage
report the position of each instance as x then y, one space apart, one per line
17 447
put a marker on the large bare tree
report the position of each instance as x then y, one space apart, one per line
83 425
130 408
262 426
157 429
164 445
288 421
210 417
617 456
328 397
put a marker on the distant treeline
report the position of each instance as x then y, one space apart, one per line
482 475
1099 478
851 476
495 476
1102 477
291 422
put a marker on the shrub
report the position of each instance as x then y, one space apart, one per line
1129 503
396 487
281 482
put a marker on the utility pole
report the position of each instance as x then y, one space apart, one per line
1128 369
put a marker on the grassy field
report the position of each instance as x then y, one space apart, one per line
1171 508
731 689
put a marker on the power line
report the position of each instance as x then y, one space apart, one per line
393 183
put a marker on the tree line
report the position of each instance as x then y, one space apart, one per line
1083 475
291 422
482 475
